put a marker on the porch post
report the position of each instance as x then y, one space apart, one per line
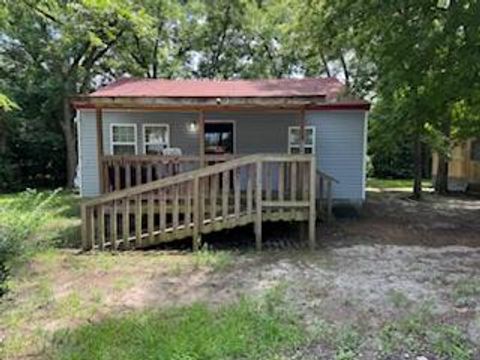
302 130
201 137
101 175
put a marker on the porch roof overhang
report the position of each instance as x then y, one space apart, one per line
217 103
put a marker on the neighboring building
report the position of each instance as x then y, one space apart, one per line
463 167
143 117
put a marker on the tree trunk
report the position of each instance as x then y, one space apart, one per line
346 73
418 164
441 182
3 135
70 143
326 68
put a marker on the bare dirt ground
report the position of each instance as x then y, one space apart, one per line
396 259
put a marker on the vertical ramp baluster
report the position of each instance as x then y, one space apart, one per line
250 179
281 183
116 172
225 193
175 215
138 173
101 227
106 180
126 223
236 187
306 180
202 197
85 227
150 217
114 226
188 205
213 196
163 212
268 183
258 206
149 172
138 221
196 215
93 226
128 175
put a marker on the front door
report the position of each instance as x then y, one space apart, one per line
219 138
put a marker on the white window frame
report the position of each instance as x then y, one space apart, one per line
314 138
144 126
113 143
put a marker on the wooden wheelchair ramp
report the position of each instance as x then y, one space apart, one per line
250 189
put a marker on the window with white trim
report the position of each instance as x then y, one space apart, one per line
294 140
123 139
156 138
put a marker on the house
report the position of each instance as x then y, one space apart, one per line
463 166
136 134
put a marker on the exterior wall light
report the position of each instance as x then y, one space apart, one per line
192 127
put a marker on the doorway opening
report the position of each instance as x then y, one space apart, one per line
219 137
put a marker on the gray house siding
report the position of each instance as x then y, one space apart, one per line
178 123
340 140
259 132
88 166
341 150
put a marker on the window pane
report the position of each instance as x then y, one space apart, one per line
309 136
294 137
156 135
295 150
123 134
308 150
123 149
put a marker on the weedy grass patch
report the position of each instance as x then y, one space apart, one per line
250 329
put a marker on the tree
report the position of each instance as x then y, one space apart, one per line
66 45
421 57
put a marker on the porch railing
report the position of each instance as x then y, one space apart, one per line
250 189
122 172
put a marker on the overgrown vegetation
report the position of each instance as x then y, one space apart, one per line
29 222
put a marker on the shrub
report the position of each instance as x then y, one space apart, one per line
20 223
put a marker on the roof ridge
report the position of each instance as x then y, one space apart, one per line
309 78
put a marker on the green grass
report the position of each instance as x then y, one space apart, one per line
63 223
248 329
394 183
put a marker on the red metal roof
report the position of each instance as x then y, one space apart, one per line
309 87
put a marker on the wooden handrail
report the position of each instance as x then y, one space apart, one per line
194 173
249 189
166 158
326 176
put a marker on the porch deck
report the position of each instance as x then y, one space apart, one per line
246 190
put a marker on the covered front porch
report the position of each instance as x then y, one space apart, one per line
167 173
137 143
